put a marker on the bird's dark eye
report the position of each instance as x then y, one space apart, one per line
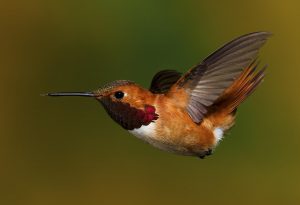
119 94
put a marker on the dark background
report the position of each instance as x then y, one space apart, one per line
68 151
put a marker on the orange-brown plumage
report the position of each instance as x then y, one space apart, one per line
176 127
187 114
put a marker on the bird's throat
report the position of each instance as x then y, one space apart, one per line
127 116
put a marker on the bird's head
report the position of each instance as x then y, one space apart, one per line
127 103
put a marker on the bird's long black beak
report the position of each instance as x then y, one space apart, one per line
80 94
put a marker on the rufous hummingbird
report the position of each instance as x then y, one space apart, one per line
186 114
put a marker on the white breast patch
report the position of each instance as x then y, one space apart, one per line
145 132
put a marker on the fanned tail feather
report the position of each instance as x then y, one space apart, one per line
244 86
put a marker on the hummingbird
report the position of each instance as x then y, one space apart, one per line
187 114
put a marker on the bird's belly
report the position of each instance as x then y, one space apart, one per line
149 135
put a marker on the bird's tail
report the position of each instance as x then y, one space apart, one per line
222 112
242 87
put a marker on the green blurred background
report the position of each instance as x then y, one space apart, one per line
68 151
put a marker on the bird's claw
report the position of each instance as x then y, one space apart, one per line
205 153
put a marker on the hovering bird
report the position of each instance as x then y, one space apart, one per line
186 114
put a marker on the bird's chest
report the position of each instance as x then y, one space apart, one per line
148 134
164 140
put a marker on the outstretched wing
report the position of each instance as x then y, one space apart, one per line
163 81
205 82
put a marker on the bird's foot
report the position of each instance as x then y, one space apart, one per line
205 153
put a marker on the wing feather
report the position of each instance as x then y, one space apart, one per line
163 81
205 82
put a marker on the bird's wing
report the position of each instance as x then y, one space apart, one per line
205 82
163 80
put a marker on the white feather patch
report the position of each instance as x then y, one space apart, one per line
218 133
144 132
147 133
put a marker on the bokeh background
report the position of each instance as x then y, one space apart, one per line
68 151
